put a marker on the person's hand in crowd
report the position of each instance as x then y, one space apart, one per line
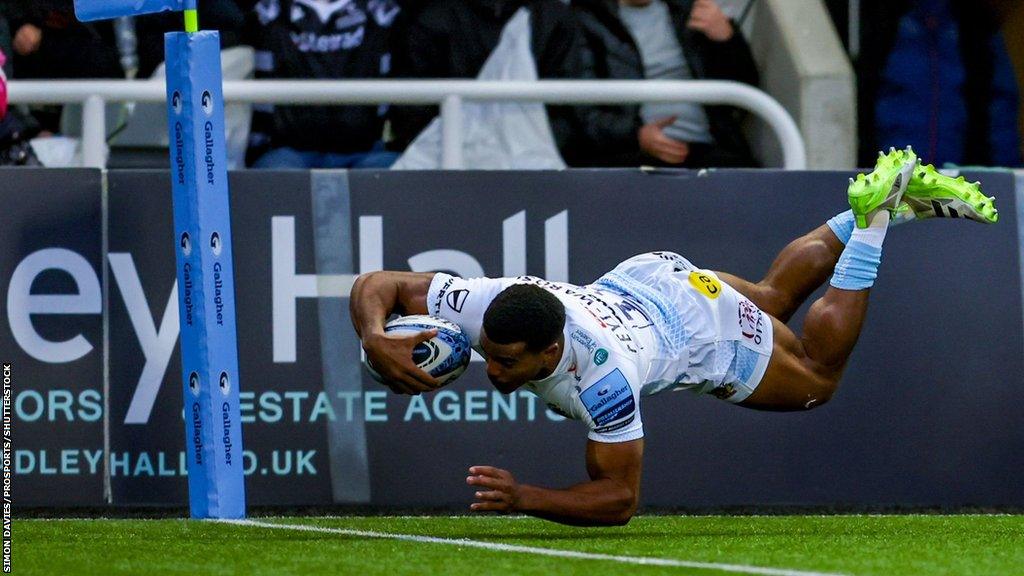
707 18
27 39
654 142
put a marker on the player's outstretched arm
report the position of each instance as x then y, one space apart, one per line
609 499
377 295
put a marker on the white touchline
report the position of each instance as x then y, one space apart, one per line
643 560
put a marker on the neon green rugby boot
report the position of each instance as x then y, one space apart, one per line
884 187
933 194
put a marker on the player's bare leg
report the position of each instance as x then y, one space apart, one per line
802 266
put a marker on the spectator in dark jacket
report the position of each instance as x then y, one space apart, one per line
664 39
453 38
319 39
3 85
224 16
48 42
5 37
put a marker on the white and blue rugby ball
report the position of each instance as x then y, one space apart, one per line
444 356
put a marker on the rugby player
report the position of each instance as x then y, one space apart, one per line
655 323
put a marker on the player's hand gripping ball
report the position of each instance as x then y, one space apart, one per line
444 356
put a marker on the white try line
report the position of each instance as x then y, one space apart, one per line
641 560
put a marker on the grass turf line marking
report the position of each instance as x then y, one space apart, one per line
641 560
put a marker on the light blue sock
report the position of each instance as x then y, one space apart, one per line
842 226
857 267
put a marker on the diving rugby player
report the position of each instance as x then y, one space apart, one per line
657 322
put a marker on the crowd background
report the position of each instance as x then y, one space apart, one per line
941 75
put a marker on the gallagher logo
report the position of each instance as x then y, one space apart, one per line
186 244
193 384
207 103
215 244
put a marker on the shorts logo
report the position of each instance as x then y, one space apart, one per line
706 284
724 392
601 356
751 321
456 299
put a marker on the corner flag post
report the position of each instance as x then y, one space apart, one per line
202 224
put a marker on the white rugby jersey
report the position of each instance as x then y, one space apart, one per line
654 323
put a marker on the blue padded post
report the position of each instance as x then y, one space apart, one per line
206 291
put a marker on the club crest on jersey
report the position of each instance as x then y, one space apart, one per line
706 284
601 356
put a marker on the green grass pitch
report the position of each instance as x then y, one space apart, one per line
854 545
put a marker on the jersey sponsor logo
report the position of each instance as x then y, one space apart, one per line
584 339
751 321
324 10
610 399
706 284
456 299
617 426
601 356
441 294
326 43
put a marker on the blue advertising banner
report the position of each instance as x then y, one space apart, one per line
920 418
52 332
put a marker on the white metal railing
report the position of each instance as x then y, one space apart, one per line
450 94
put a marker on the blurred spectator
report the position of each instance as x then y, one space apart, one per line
49 42
320 39
935 74
453 38
666 40
14 132
224 16
3 85
5 38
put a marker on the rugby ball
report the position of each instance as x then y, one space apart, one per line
444 356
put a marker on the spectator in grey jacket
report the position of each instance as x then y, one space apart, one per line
668 40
